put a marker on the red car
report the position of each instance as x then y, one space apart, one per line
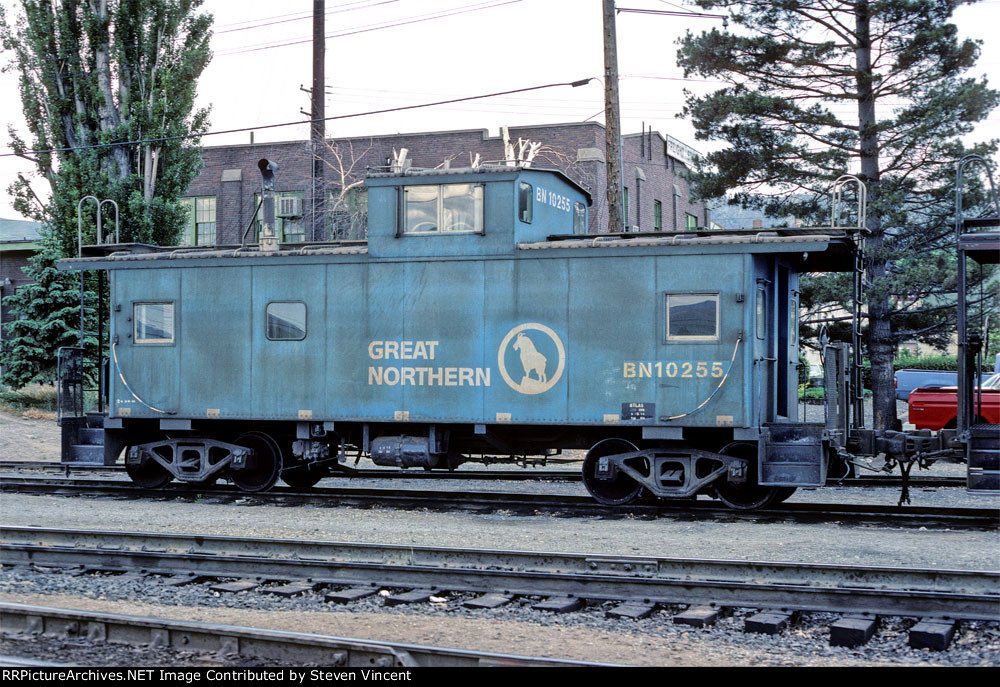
936 408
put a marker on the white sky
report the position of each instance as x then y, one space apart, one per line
501 47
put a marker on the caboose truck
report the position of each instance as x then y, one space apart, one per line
478 323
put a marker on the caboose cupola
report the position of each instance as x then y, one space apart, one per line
470 211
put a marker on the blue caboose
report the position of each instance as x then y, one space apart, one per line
477 320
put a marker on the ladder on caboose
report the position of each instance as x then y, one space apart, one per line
975 240
82 430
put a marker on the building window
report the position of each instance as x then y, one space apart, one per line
445 208
199 229
690 222
286 321
289 226
187 234
579 218
676 219
657 216
525 202
153 323
692 316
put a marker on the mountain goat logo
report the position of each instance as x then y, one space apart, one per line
531 359
535 377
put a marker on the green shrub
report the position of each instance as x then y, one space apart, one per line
910 362
34 396
813 393
929 362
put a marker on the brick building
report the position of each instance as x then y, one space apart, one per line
223 198
19 239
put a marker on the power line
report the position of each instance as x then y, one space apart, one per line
305 14
574 84
375 27
670 13
684 9
670 78
387 23
308 16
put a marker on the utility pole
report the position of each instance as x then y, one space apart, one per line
318 128
612 125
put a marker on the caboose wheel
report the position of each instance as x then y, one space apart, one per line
784 493
621 488
263 466
749 495
302 476
148 474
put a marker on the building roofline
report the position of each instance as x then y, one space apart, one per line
20 244
483 132
640 134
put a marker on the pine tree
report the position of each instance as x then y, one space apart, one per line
48 312
821 87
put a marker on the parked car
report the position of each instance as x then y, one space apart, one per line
938 408
908 380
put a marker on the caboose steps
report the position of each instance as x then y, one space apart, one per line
92 436
87 453
83 440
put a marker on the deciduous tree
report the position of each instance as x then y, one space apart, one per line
107 90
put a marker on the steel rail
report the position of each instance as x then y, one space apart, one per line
291 648
955 594
526 475
529 474
520 503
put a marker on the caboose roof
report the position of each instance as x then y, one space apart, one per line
809 249
817 249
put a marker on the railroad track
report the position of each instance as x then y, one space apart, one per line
637 583
524 475
563 505
228 641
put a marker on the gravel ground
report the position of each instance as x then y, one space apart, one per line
63 651
515 628
585 635
810 412
27 438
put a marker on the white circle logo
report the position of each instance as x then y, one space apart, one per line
532 347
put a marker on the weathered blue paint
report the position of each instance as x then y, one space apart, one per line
467 328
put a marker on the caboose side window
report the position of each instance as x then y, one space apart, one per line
692 317
525 200
286 321
445 208
793 320
153 323
761 313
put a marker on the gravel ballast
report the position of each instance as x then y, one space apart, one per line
583 635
